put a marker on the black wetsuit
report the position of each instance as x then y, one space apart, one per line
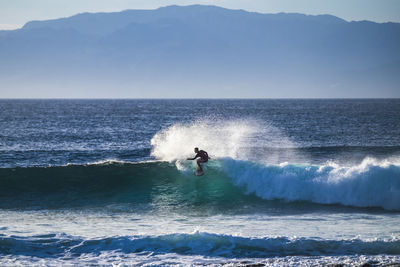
203 155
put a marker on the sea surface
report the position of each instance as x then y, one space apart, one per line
290 182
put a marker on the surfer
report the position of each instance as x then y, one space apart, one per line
202 155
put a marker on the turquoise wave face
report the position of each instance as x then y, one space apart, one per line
228 186
139 187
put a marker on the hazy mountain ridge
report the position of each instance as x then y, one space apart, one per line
176 51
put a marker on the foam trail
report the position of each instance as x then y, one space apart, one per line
235 139
197 243
370 184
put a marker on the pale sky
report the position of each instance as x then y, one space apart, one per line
15 13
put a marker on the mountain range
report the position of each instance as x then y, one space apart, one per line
200 51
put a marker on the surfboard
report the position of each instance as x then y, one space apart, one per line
198 173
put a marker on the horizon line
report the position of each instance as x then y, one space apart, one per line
209 98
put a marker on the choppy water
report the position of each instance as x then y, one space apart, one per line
290 182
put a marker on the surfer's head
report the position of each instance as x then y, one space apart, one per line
196 149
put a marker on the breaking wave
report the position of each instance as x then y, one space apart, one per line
369 184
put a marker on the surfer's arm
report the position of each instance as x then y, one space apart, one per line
197 155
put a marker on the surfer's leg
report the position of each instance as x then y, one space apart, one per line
199 161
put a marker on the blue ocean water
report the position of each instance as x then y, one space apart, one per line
310 182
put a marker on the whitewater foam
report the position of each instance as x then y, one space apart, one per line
371 183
